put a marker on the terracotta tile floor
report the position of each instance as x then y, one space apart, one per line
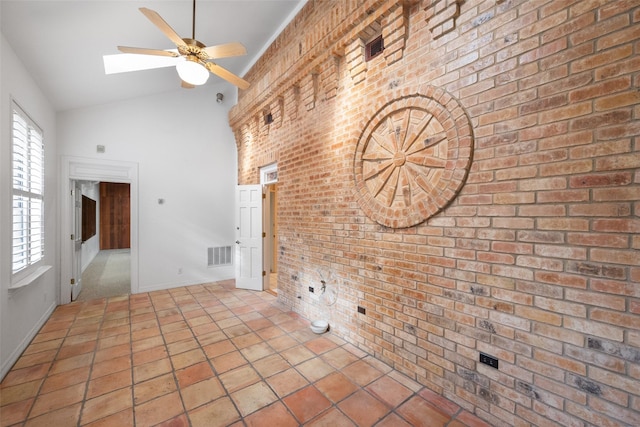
207 355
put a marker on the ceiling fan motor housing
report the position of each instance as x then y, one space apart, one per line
193 47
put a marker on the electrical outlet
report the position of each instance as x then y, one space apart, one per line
489 360
311 289
362 310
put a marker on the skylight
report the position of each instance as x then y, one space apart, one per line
124 62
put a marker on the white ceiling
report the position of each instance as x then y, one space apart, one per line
62 42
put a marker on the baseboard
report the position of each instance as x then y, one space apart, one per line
165 286
13 358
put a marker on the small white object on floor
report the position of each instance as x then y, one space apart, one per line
319 326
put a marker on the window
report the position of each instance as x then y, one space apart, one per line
269 174
27 247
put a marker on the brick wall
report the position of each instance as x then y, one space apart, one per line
536 259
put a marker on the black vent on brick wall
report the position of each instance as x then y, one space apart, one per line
374 48
268 118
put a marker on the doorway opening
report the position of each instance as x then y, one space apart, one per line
76 169
106 258
271 237
257 231
269 181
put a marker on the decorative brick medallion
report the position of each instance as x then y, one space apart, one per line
412 158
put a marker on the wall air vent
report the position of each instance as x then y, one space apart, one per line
219 256
374 48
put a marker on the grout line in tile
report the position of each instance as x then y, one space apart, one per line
203 301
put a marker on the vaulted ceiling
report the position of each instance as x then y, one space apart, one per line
62 42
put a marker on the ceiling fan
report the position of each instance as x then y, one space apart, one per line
192 59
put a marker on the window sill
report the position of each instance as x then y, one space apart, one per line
30 278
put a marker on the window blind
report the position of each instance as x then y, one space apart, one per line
28 192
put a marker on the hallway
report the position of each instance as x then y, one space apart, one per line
206 355
108 275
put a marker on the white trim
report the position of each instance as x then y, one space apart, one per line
199 281
85 169
267 174
17 352
31 277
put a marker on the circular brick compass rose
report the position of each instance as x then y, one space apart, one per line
412 159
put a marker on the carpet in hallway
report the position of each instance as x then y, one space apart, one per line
108 275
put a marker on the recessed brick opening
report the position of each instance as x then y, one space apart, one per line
373 48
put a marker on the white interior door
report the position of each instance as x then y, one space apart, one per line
249 270
76 281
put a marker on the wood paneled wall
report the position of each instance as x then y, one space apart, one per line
114 216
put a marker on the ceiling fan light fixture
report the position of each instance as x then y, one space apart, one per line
192 71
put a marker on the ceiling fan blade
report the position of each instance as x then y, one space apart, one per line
227 75
145 51
186 85
157 20
225 50
125 62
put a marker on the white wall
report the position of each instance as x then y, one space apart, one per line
186 155
24 310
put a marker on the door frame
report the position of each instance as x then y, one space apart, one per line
268 177
269 254
87 169
76 259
